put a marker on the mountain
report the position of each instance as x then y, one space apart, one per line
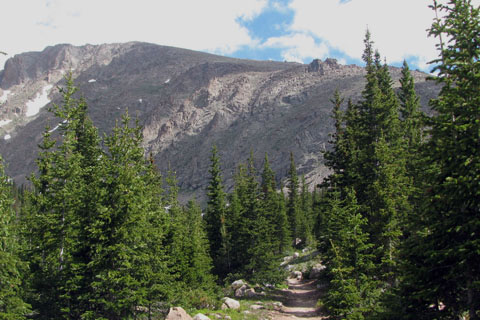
186 101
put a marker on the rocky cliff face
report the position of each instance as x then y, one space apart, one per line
187 101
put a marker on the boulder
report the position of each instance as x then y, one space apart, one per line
316 271
297 275
289 267
237 284
296 255
250 293
177 313
286 260
229 303
277 305
240 292
200 316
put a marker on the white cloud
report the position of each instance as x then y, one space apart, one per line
211 25
398 27
297 47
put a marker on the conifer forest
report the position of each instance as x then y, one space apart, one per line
99 233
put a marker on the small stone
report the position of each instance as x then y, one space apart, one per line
256 307
200 316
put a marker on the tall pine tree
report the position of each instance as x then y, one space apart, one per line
446 280
12 305
216 218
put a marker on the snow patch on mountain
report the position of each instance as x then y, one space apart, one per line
40 101
4 96
55 128
4 122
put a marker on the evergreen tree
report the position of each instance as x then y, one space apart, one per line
234 225
410 112
56 208
306 213
293 203
190 253
117 231
274 210
353 291
368 158
250 216
216 220
12 305
412 128
256 228
445 273
158 280
379 174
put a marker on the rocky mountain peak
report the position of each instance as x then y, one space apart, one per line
58 59
322 67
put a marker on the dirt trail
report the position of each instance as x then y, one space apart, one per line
299 301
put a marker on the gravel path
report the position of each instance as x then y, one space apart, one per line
299 301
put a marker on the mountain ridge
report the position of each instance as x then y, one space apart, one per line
186 101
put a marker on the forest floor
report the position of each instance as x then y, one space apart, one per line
299 301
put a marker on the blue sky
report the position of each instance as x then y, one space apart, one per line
292 30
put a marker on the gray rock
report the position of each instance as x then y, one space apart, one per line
316 271
289 267
297 275
177 313
230 303
250 293
277 305
240 292
200 316
237 284
256 307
